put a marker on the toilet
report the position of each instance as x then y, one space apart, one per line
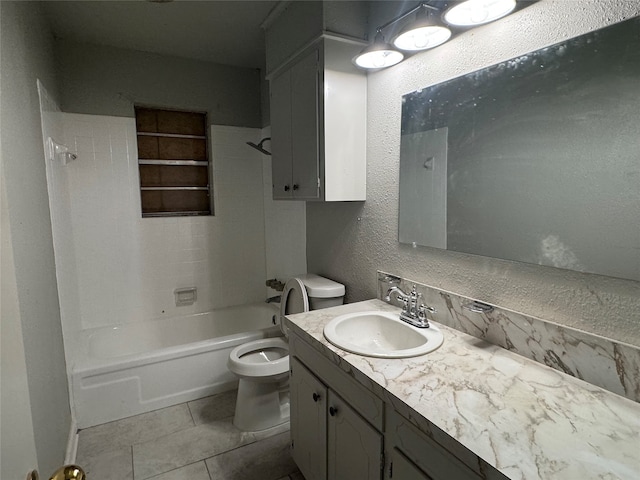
263 365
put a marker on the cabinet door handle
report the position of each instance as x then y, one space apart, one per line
296 186
286 188
333 411
316 397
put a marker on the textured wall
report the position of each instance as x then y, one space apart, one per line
108 81
348 242
33 301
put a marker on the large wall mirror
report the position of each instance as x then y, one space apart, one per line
536 159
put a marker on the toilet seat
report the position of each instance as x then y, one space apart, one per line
294 300
263 365
269 357
260 358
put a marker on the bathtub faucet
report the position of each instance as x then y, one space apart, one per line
276 284
274 299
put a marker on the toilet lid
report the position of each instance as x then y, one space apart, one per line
294 300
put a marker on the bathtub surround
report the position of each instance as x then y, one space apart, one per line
117 268
349 242
612 365
128 267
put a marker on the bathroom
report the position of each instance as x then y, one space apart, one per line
347 242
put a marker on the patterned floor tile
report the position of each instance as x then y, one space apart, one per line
114 464
185 447
195 471
128 431
216 407
269 459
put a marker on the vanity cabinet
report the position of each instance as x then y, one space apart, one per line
336 430
342 430
308 421
318 124
330 440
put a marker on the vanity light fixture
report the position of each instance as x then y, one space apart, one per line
478 12
379 54
422 34
427 31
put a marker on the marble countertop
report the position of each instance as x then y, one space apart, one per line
525 419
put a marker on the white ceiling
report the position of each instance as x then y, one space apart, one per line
226 32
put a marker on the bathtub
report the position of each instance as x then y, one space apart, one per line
135 368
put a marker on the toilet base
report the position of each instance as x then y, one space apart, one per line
261 405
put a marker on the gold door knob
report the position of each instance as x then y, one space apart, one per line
69 472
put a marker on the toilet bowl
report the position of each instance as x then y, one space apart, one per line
262 366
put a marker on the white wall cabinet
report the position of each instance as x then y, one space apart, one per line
318 124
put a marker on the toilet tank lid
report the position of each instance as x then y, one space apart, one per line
320 287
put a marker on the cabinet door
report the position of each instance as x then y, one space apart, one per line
404 469
305 112
281 136
308 422
404 439
354 448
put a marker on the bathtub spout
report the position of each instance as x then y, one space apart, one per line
274 299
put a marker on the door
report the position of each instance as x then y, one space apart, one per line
305 109
354 448
404 469
281 136
308 422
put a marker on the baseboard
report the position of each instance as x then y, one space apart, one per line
72 444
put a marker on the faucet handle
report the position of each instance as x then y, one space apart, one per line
423 309
405 302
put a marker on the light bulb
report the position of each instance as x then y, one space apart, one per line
478 12
379 59
422 38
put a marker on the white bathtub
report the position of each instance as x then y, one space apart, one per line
135 368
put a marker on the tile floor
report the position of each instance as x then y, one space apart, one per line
194 440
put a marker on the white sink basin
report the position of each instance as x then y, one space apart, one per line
381 334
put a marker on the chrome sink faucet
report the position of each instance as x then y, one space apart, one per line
414 312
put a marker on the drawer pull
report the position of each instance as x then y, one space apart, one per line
333 411
316 397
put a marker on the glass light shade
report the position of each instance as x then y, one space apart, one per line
422 37
378 55
477 12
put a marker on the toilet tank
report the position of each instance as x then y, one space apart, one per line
322 292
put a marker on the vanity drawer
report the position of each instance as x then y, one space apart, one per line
369 406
